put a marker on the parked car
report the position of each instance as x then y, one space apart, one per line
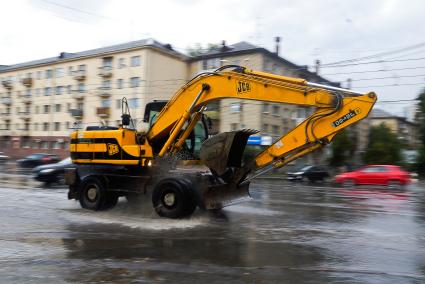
3 157
52 172
308 173
389 175
34 160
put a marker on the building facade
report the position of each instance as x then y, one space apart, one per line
405 129
43 101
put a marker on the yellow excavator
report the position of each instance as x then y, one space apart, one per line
120 161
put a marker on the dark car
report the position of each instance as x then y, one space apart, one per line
308 173
35 160
52 172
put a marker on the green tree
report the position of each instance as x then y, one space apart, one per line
343 147
420 120
384 146
198 49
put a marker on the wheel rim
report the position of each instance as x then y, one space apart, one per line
169 199
92 193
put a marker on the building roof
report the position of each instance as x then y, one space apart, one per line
244 47
63 56
381 114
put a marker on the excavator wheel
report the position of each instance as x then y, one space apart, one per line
93 195
173 198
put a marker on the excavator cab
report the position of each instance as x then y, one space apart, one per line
195 139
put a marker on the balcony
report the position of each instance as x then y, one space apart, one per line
27 82
104 92
79 75
78 95
8 84
6 113
103 111
6 101
25 114
26 99
105 71
77 113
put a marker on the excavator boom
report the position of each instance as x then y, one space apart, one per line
336 109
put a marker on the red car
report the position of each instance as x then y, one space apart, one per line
392 176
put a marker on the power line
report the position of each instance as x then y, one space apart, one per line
77 10
374 62
390 77
420 45
391 85
374 71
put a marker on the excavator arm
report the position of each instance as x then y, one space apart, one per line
336 109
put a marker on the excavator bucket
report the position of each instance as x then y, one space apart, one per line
224 151
222 154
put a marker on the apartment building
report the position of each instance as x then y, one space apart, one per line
405 129
270 118
43 101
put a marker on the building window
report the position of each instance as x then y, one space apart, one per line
49 74
38 75
233 126
82 68
69 89
120 83
57 126
107 62
36 126
70 70
265 127
118 104
265 108
121 63
81 87
37 109
46 108
275 129
106 84
37 92
275 110
235 107
59 72
135 82
59 90
36 145
47 91
58 107
105 103
67 125
45 126
133 103
68 107
44 145
135 61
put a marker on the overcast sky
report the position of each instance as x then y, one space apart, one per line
325 29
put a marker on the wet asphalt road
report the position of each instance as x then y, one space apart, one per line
286 234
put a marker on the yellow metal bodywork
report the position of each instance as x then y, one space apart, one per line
334 112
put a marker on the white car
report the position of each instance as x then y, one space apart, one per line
3 158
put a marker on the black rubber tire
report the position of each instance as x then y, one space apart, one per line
191 195
102 200
172 198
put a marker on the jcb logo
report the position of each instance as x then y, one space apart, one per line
112 149
243 87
